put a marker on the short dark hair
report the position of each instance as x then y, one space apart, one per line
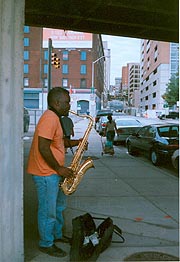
109 117
55 94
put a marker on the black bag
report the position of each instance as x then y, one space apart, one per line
88 241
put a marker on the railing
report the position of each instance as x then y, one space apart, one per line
35 115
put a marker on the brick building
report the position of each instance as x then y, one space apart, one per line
76 51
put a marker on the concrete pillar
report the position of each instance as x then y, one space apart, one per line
11 130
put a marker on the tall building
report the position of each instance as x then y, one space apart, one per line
118 84
124 79
133 84
159 60
130 84
77 51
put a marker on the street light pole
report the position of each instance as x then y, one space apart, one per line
92 83
49 63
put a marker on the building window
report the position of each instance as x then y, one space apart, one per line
65 82
154 94
26 81
146 97
26 41
46 55
83 56
148 46
45 68
154 83
26 68
147 78
65 69
83 83
155 71
26 55
83 70
65 55
26 29
45 82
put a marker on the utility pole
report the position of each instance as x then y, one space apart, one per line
49 63
92 84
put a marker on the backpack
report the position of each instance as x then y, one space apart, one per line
89 240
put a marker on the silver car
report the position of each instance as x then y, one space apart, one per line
126 126
102 125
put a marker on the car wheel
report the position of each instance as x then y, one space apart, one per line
176 164
155 159
130 149
26 127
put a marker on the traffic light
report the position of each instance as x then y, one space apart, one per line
53 58
55 61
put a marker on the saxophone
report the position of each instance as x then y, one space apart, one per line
69 185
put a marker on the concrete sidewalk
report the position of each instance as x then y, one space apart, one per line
140 198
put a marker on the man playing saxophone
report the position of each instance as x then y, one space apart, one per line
46 165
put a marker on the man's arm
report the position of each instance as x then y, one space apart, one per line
115 127
46 153
72 131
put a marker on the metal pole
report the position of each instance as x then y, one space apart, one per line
49 63
92 83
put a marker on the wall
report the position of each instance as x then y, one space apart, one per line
75 100
11 130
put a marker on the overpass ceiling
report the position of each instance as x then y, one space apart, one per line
145 19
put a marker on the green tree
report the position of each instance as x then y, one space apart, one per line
171 96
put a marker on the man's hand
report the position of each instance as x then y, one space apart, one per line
45 150
71 142
65 172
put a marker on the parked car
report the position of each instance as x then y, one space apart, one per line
158 141
175 159
171 115
126 126
26 120
102 125
100 113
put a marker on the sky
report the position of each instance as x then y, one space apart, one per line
123 50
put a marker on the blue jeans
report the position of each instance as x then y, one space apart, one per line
51 203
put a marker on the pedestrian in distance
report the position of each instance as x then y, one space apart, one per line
68 128
110 130
46 165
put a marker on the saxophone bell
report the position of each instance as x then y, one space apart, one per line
69 185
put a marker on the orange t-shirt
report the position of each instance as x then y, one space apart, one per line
48 127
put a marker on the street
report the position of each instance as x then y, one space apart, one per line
140 198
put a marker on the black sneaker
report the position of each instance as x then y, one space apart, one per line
53 251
